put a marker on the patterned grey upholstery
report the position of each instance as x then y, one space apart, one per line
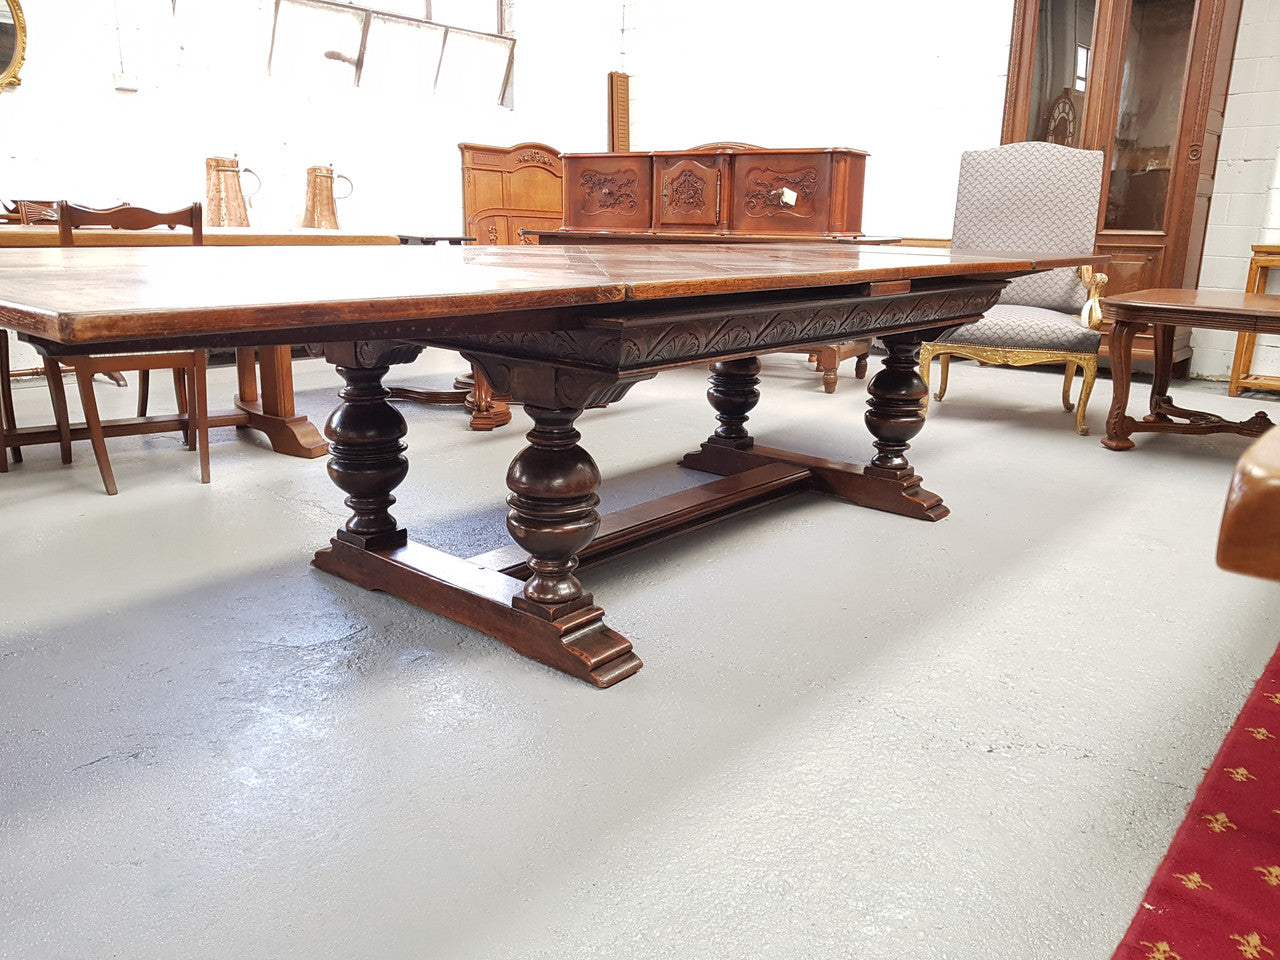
1028 197
1031 196
1015 326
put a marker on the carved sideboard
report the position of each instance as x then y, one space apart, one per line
509 189
731 191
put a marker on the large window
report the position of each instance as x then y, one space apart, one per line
462 47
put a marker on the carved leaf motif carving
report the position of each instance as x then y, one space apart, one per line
610 192
535 156
732 337
765 196
672 341
687 193
382 353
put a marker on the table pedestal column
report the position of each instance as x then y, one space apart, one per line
895 416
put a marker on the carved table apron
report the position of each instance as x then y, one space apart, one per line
528 596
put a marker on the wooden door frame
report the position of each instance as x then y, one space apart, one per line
1195 149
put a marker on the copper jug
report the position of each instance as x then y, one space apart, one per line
320 210
224 199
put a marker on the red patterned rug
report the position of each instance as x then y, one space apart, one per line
1216 894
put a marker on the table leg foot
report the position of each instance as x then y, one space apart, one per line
1117 443
576 642
495 414
294 436
486 408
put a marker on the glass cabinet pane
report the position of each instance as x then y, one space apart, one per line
1155 68
1064 32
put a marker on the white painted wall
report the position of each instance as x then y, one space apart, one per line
1246 169
913 83
204 91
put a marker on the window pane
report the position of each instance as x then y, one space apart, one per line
1155 68
473 67
316 44
401 56
479 15
1064 30
406 8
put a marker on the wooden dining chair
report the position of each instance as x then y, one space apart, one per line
189 366
26 212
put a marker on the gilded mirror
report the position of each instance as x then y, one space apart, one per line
13 42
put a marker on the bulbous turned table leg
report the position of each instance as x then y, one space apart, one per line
553 514
367 458
553 517
895 411
733 394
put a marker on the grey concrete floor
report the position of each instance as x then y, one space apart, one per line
855 735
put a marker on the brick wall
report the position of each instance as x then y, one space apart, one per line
1244 210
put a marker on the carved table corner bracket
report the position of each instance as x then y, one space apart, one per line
367 354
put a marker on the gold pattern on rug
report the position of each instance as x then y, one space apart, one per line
1270 874
1261 733
1193 881
1160 950
1218 822
1251 946
1240 774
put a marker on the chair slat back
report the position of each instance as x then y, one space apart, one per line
127 217
37 211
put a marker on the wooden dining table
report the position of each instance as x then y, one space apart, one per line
560 329
264 373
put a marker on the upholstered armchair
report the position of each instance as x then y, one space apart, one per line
1030 196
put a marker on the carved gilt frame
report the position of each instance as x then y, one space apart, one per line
9 74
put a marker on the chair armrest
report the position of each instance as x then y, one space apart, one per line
1091 312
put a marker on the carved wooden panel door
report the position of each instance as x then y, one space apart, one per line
509 189
609 191
688 191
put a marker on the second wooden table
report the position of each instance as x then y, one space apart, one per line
1166 309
